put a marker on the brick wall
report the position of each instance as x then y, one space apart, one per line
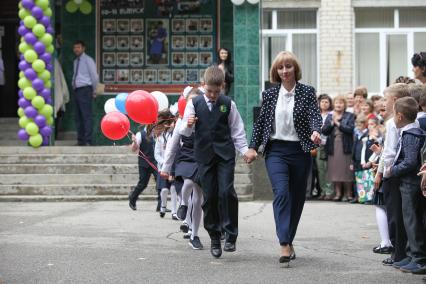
336 46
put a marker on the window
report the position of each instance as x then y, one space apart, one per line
294 30
385 40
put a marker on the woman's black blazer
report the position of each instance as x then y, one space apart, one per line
306 117
347 126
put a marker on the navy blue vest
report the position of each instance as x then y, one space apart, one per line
147 147
212 133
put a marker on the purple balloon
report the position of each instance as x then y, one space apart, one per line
48 100
45 20
37 12
28 4
30 74
40 120
38 84
45 93
23 135
20 94
39 47
30 38
49 67
21 57
22 30
24 103
30 111
46 57
45 141
50 30
24 65
45 131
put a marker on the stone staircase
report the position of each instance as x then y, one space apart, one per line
8 129
81 173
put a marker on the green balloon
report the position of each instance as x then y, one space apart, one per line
21 112
45 75
46 111
48 85
48 12
21 74
35 140
23 121
43 4
30 22
47 39
23 13
50 48
31 128
20 5
38 102
49 120
39 30
23 83
39 65
86 7
29 93
71 7
30 56
23 47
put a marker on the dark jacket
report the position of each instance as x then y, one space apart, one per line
306 117
408 163
347 125
357 151
212 132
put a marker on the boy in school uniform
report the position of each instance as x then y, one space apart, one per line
218 130
406 165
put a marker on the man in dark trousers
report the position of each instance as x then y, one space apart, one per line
84 82
219 130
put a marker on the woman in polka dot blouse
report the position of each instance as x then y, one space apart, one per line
287 129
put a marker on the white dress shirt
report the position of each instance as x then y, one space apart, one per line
160 148
235 124
390 144
171 148
283 127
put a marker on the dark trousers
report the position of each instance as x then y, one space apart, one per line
83 114
288 167
393 204
144 176
220 199
412 212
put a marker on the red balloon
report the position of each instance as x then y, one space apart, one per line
115 125
181 105
142 107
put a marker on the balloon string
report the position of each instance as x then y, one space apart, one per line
144 156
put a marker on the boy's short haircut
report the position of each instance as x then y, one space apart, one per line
361 118
417 91
407 107
361 91
399 90
214 76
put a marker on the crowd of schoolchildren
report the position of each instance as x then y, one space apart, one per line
371 153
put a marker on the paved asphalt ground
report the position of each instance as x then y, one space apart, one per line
106 242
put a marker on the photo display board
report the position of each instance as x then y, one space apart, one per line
156 42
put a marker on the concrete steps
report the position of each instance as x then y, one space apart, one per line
81 173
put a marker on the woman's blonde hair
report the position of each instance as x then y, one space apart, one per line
341 98
279 59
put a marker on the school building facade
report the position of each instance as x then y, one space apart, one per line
340 44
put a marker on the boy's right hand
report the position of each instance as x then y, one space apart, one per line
191 120
377 181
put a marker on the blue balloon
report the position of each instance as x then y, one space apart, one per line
120 102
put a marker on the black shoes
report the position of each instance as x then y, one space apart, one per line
383 250
184 227
388 261
229 246
174 217
196 243
181 213
216 248
162 212
132 205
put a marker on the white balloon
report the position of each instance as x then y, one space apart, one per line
253 1
237 2
110 105
163 101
